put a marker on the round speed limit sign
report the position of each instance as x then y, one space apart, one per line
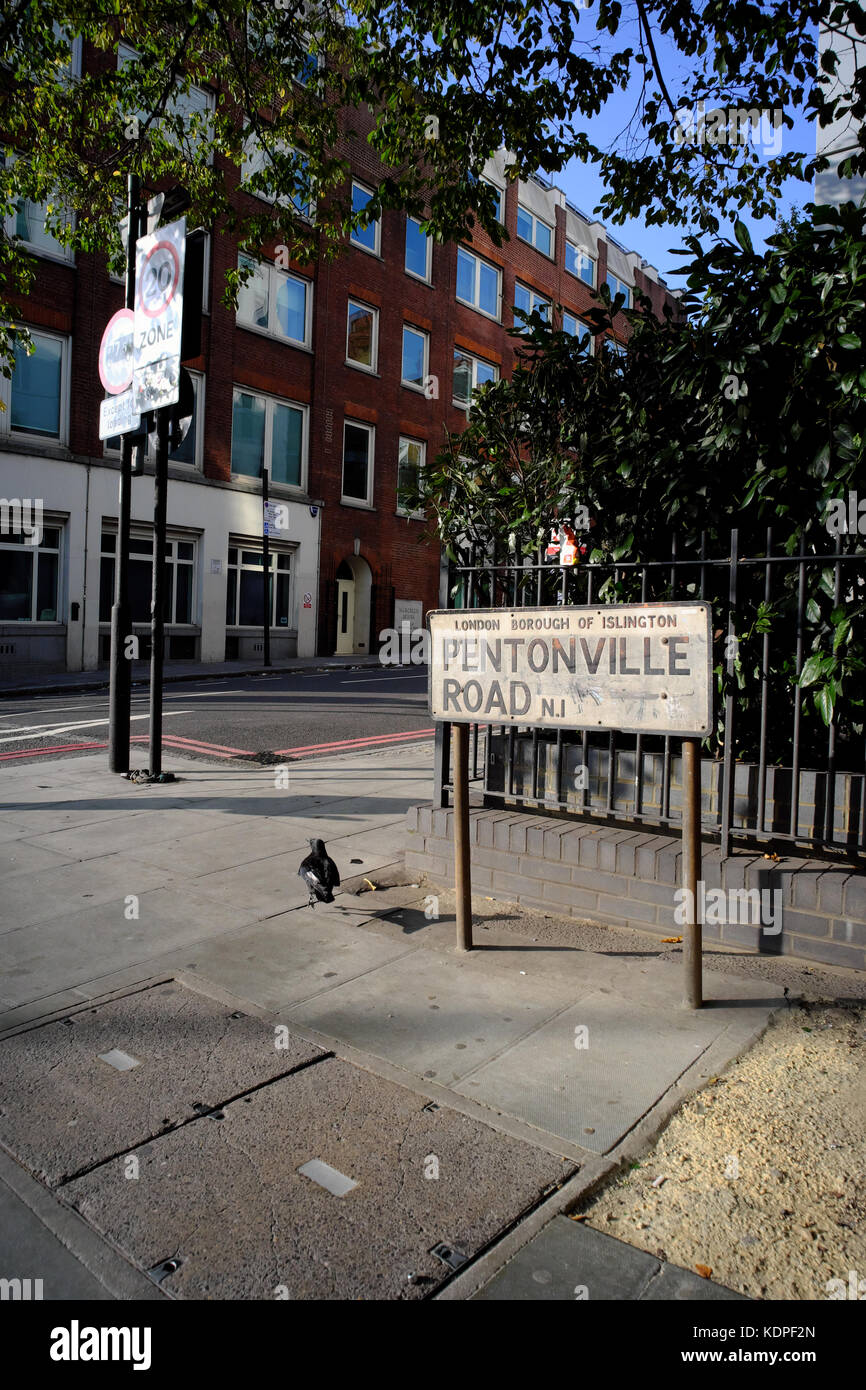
159 279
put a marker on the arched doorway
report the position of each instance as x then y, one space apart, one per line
354 587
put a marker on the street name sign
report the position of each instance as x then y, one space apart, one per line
639 668
159 260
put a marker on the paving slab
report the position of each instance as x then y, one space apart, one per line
592 1072
289 958
126 829
226 1198
225 846
20 857
64 1108
48 893
30 1252
568 1260
433 1014
83 947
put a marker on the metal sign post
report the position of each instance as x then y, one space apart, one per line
643 668
157 622
691 869
120 686
462 864
266 578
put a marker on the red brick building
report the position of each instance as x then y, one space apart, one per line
336 376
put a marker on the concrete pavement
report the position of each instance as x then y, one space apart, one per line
166 925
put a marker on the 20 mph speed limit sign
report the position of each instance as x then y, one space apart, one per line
159 262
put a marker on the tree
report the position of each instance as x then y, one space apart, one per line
748 413
433 87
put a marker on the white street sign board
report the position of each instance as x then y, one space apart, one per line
118 415
159 262
639 668
115 352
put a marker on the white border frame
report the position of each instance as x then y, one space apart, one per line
427 278
479 261
290 489
365 504
423 334
373 369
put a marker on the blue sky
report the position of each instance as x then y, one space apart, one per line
584 187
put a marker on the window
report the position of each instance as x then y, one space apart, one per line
418 250
26 222
180 558
531 228
36 394
29 576
190 449
573 325
276 302
245 588
478 283
409 465
262 168
362 336
470 372
358 463
615 347
579 263
296 52
269 433
619 287
365 237
416 349
499 197
528 302
187 109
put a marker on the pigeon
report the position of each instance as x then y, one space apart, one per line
320 874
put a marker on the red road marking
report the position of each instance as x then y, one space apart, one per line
183 746
219 750
41 752
350 743
197 743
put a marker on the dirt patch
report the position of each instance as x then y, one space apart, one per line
761 1177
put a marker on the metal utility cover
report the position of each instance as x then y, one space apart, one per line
637 667
62 1109
230 1196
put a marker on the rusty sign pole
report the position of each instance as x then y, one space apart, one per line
692 945
462 867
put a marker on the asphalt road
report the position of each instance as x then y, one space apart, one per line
270 718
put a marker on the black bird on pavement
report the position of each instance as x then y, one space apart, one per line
320 874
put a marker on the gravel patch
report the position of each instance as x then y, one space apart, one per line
761 1177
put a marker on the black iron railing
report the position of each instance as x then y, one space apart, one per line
773 770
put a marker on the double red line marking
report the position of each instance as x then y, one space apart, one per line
346 744
221 750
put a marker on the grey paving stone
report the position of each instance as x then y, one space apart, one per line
229 1198
569 1261
63 1108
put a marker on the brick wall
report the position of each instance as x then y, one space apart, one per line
628 878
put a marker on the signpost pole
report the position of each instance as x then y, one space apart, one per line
157 625
266 563
120 686
462 867
692 944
